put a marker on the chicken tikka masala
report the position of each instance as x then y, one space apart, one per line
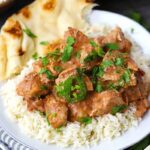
84 77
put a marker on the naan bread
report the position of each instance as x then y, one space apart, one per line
47 20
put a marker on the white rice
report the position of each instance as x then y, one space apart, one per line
75 134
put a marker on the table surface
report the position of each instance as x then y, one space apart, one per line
124 7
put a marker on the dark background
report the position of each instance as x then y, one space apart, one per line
125 7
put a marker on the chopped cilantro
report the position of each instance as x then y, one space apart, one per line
100 72
68 49
91 57
73 89
93 43
55 54
44 43
80 71
43 87
119 61
112 46
126 76
53 115
118 108
58 68
29 33
98 88
35 56
85 120
47 120
100 52
70 40
47 72
45 61
107 63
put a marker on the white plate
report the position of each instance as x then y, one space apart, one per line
20 141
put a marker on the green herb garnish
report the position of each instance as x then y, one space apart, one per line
85 120
93 43
45 61
91 57
118 108
126 76
119 61
112 46
53 115
58 68
98 88
29 33
44 43
107 63
47 72
68 49
43 87
47 120
35 56
73 89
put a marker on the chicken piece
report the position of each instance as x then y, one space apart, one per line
80 38
102 103
120 62
141 107
96 104
131 64
35 104
56 112
135 93
116 36
32 86
113 73
82 45
80 109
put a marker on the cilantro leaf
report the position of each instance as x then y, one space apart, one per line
44 42
35 56
126 76
91 57
47 72
93 43
118 108
119 61
45 61
98 88
107 63
58 68
70 40
67 53
85 120
29 33
68 49
100 52
112 46
73 89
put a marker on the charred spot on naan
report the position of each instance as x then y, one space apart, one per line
14 28
25 12
21 52
49 5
